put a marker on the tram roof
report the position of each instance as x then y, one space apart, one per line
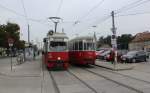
83 38
58 35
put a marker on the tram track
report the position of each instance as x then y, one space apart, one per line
75 73
54 83
148 82
108 79
83 82
111 80
57 90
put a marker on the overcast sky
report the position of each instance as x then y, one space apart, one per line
88 13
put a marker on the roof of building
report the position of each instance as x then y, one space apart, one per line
140 37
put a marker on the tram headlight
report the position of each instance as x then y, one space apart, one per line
59 58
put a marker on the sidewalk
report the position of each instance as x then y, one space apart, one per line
118 66
28 68
28 77
24 78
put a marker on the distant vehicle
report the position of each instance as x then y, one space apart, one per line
82 50
98 53
55 54
111 56
134 56
104 54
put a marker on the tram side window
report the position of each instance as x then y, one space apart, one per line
76 46
80 45
85 46
71 46
89 46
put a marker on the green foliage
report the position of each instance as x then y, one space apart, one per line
122 41
10 30
104 40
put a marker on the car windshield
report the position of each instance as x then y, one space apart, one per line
106 52
132 53
57 46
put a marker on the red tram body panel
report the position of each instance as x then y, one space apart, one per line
82 57
56 53
82 51
57 59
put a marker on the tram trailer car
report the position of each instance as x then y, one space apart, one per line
56 51
82 50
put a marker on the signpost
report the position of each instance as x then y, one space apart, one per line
114 38
10 43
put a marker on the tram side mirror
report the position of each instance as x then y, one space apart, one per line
44 40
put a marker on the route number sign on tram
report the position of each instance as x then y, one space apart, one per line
10 42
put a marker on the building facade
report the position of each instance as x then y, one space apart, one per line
141 42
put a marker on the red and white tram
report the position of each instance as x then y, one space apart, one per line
82 50
55 53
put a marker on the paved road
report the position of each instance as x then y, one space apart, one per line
32 77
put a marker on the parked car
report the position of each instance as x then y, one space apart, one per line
104 54
98 53
111 56
134 56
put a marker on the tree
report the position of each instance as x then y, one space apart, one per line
2 36
10 30
104 40
124 40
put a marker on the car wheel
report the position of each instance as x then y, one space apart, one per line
133 60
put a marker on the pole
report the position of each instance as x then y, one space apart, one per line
11 58
28 34
114 41
55 26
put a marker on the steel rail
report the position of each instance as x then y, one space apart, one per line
148 82
54 83
82 81
109 79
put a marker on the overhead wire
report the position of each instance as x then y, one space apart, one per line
90 11
59 7
128 5
119 10
100 21
125 8
85 15
12 11
132 14
81 19
19 14
132 5
25 12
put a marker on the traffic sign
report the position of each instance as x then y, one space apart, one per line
113 41
10 41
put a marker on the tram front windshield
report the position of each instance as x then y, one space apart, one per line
58 46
